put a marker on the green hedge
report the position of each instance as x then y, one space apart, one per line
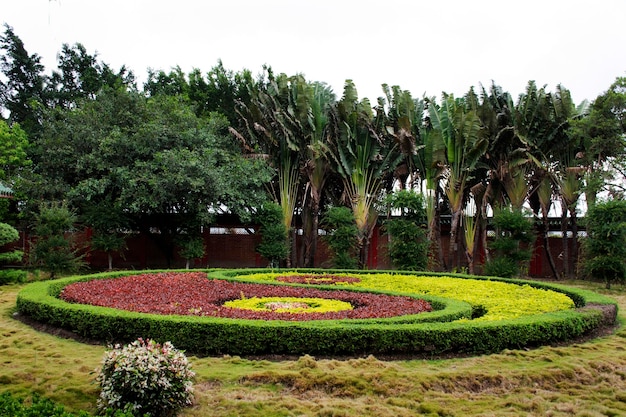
426 333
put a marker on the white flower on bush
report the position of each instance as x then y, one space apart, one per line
145 377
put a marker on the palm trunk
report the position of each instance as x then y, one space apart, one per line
574 224
565 243
110 256
454 246
546 246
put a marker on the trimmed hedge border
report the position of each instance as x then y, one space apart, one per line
433 333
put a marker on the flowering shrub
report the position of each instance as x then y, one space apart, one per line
501 300
191 293
145 377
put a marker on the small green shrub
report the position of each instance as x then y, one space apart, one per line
408 244
513 229
11 406
145 377
8 276
274 244
53 250
341 236
9 234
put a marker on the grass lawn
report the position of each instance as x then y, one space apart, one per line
582 379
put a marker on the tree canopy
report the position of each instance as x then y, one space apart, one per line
164 160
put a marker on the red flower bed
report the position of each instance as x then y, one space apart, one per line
191 293
317 279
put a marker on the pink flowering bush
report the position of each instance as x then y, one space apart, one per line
191 293
145 377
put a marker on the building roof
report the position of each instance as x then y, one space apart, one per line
5 192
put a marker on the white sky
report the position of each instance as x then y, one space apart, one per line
424 47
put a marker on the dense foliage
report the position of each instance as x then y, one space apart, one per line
168 157
341 236
274 244
605 245
54 251
509 250
408 246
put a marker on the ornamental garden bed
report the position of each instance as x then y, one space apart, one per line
251 312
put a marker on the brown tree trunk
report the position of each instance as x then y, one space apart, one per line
565 243
574 223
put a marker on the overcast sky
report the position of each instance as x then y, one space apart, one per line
424 47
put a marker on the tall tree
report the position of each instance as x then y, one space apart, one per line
601 142
461 132
81 75
272 122
363 158
169 170
23 94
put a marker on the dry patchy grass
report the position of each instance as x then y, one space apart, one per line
582 379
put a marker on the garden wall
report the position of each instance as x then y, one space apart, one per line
233 246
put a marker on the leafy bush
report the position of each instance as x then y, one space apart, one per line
8 234
341 236
15 407
191 247
605 245
145 377
501 267
274 244
408 245
513 229
53 250
8 276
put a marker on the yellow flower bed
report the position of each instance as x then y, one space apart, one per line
289 304
501 300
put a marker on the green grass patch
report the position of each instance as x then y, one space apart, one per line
587 378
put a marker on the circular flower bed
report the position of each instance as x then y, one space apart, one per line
191 293
533 313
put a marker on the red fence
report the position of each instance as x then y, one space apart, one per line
231 246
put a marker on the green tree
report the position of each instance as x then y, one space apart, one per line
81 75
169 170
23 94
341 236
408 246
54 250
273 246
110 227
601 142
457 125
13 152
191 247
605 245
274 127
363 159
14 162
